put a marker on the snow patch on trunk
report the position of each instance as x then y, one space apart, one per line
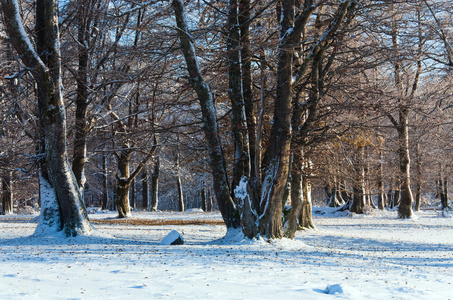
49 219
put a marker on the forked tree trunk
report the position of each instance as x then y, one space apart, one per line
125 178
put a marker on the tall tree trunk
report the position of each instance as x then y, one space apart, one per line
443 189
145 190
7 193
418 188
211 130
81 127
358 199
179 184
406 200
133 195
180 194
246 64
155 185
105 180
204 200
381 192
241 166
63 209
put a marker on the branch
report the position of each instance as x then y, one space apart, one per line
19 37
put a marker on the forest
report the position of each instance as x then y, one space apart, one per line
257 109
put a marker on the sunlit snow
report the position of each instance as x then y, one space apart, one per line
373 256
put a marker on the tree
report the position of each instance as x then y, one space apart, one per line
257 202
62 207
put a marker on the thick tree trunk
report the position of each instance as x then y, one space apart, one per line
123 185
296 194
122 198
66 211
306 220
155 185
277 156
125 178
405 206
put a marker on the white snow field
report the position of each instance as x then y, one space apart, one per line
374 256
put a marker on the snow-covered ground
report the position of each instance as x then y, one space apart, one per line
375 256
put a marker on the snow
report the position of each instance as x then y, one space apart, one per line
373 256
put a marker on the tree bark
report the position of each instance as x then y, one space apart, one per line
241 166
211 130
155 185
7 193
145 190
179 184
306 220
246 67
406 200
358 199
418 188
381 192
296 193
123 184
204 201
65 210
105 193
81 126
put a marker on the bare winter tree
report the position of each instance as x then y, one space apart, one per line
258 202
62 207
